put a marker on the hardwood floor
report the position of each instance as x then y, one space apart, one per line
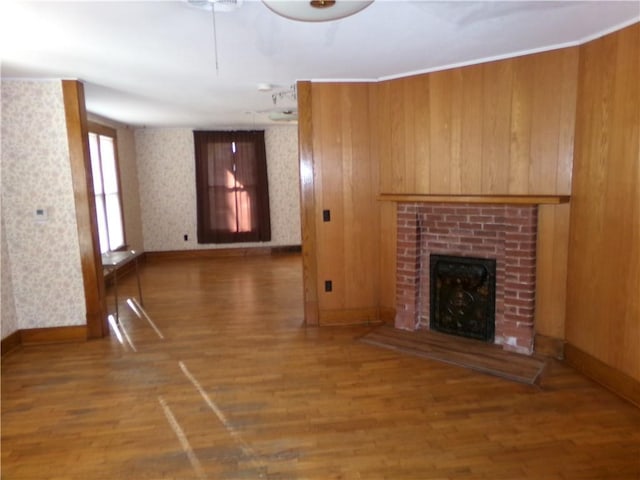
224 382
464 352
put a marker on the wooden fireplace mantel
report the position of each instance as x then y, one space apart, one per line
491 199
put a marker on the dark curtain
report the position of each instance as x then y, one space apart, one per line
232 188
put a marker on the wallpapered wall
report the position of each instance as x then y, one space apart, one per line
166 173
42 258
9 320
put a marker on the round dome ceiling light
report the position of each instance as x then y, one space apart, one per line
322 3
316 10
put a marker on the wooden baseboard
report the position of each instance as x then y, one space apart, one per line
356 316
10 342
549 346
39 336
34 336
286 249
618 382
220 252
388 315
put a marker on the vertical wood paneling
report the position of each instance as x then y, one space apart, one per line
379 128
421 95
504 127
440 131
407 148
496 127
568 88
396 121
328 163
545 124
381 133
522 105
455 143
388 239
603 311
346 183
500 128
360 173
472 126
307 203
551 269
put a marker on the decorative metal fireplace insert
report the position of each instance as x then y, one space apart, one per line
463 296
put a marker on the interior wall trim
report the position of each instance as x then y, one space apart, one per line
42 336
350 316
307 204
10 343
68 334
481 199
150 256
614 380
387 315
86 218
548 346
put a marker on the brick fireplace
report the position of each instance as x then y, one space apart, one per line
504 232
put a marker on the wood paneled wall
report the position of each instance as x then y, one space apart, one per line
345 177
498 128
503 127
551 270
603 294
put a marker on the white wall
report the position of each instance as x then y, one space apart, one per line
41 260
166 174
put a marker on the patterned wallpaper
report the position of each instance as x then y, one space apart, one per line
166 173
284 184
44 258
41 273
8 318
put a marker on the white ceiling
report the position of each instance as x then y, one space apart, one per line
154 63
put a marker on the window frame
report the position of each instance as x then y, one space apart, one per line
104 131
209 233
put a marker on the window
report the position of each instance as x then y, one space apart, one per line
232 188
106 186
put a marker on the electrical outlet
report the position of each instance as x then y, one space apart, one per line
186 237
328 286
326 215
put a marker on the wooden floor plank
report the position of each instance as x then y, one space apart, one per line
254 394
479 356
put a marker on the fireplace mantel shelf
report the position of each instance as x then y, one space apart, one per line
494 199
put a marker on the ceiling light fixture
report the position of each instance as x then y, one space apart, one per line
322 3
217 5
284 116
316 10
291 94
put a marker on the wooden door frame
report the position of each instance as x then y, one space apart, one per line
86 219
307 204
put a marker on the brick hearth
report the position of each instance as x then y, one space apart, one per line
506 233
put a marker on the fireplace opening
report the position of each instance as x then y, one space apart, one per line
463 296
